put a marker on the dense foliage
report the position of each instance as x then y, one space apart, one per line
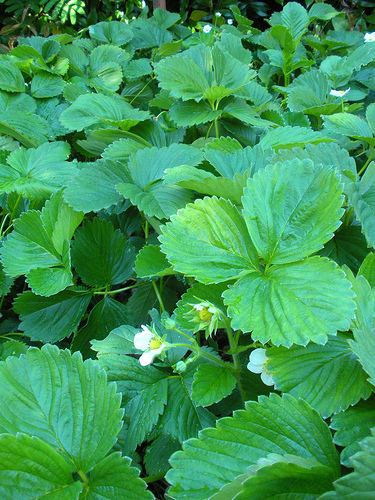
204 198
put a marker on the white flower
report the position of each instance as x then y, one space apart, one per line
150 343
205 316
218 14
339 93
370 37
207 28
258 364
230 21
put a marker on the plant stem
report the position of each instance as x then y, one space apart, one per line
83 477
367 162
216 129
14 209
160 300
233 342
119 290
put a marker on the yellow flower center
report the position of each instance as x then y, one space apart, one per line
155 343
205 315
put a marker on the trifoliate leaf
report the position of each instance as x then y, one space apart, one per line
272 425
292 303
102 255
111 32
329 377
31 468
50 319
37 173
46 85
351 427
47 388
208 240
212 384
288 228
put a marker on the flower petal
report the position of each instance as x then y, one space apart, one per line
258 357
142 339
148 357
267 378
254 368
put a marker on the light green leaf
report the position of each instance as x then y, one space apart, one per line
290 137
292 303
11 78
146 189
229 163
82 194
347 124
57 397
50 319
212 384
288 228
208 240
30 468
352 426
44 84
367 269
148 34
101 255
104 317
272 425
329 377
322 11
182 77
5 281
288 476
30 130
45 236
364 347
370 116
360 484
295 18
12 348
91 109
112 32
362 197
152 262
189 113
113 479
37 173
105 73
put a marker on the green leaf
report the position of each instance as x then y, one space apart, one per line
111 32
364 347
11 78
12 348
329 377
367 269
229 163
101 255
152 262
37 173
360 484
370 116
31 468
348 246
113 479
212 384
288 228
92 109
105 73
146 189
272 425
30 130
322 11
39 388
292 303
50 319
189 113
362 197
157 455
289 475
104 317
208 240
347 124
182 77
295 18
352 426
45 235
44 84
290 137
